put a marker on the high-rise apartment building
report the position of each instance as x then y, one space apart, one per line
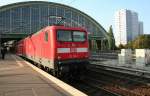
140 27
127 26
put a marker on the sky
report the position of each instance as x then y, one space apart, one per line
103 10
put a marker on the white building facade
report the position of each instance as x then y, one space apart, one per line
127 26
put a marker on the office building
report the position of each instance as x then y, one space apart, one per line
127 26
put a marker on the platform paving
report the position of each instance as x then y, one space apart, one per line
19 79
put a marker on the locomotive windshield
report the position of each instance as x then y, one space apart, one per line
63 35
72 36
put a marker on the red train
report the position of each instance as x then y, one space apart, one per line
60 49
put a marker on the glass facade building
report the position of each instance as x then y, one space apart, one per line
21 19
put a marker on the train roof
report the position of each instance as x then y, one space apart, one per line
56 27
66 28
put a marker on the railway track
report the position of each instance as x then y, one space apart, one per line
119 83
91 89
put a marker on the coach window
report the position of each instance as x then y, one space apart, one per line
46 36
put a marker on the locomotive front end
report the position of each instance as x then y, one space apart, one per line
72 50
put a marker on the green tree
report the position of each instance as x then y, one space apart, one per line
111 39
121 46
142 41
129 45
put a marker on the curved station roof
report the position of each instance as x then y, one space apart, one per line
21 19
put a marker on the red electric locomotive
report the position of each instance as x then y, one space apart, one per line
57 48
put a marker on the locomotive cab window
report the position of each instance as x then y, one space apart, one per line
46 36
72 36
79 36
63 35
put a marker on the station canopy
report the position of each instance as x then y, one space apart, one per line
21 19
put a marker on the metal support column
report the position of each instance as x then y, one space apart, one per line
0 40
101 44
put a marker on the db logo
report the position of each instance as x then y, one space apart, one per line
73 49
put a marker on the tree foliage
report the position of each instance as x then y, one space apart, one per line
141 42
111 39
129 45
121 46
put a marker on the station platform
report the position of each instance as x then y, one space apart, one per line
19 78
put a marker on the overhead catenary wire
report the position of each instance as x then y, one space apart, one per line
72 1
